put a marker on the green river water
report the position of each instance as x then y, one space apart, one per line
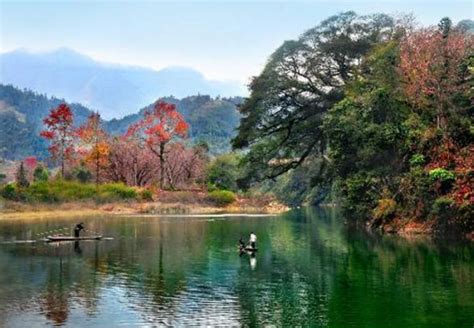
310 271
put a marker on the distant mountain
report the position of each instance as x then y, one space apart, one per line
114 90
212 120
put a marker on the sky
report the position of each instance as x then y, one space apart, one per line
224 40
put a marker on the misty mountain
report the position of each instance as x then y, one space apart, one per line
212 120
114 90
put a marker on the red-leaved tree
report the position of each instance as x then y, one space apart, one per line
432 65
60 132
95 142
157 129
131 162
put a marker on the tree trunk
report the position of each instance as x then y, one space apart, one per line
162 165
97 167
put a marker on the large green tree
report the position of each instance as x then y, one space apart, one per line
282 119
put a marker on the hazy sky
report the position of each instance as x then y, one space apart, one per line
222 39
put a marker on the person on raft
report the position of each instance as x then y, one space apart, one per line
253 240
78 228
241 243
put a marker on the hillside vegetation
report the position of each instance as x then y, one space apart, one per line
372 113
212 120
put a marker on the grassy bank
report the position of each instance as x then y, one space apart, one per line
73 199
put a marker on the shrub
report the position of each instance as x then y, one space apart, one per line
82 174
146 195
385 209
40 174
442 175
9 192
42 192
223 173
417 160
442 206
117 191
222 197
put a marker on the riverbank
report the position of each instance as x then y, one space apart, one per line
169 203
431 226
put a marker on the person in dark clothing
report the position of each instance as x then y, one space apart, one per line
241 243
78 228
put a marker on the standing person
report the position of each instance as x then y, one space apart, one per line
241 243
78 228
253 240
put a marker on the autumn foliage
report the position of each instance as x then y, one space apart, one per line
149 153
60 132
434 68
158 127
95 144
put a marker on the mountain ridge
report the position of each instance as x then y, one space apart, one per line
115 90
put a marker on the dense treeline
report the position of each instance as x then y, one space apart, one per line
151 155
369 111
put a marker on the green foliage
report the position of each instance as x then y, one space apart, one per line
442 206
282 123
9 192
82 174
442 175
40 174
146 195
417 160
66 191
21 180
222 197
223 173
360 196
117 190
21 118
2 177
385 209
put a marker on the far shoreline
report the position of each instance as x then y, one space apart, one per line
21 211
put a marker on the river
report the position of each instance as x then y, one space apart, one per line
310 270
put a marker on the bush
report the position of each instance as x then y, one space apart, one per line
42 192
442 206
64 191
442 175
417 160
146 195
9 192
82 174
117 191
40 174
223 173
385 209
222 197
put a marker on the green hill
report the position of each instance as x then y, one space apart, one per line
212 120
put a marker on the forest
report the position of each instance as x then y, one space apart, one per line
371 113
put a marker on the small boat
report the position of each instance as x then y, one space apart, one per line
71 238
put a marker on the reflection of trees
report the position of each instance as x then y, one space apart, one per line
311 271
49 276
321 273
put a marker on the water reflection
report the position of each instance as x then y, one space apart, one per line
310 270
